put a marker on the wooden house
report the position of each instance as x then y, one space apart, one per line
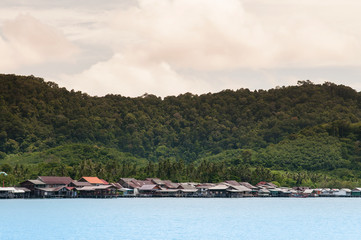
100 191
188 190
56 192
239 191
343 192
263 192
165 192
308 193
356 192
155 181
32 184
131 183
204 189
55 181
219 191
191 192
11 192
45 186
169 184
149 190
78 184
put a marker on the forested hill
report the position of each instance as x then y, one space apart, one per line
308 126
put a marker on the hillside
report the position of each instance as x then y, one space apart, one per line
308 127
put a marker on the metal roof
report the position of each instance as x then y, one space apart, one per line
11 189
308 191
148 187
186 186
219 187
80 184
93 188
242 188
264 190
168 190
346 189
36 182
52 189
232 182
55 180
23 188
189 190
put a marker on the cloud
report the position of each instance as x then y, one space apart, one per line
27 41
204 34
174 46
154 42
125 76
218 35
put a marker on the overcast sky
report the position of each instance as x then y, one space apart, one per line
169 47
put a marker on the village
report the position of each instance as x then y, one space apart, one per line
93 187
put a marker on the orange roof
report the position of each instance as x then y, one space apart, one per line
93 180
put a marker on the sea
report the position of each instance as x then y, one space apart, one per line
181 218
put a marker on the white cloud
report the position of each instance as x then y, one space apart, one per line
221 35
207 36
125 76
148 45
27 41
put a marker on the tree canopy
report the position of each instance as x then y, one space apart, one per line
307 127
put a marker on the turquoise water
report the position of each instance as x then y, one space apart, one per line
175 218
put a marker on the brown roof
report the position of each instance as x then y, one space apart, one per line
155 180
117 185
170 184
205 185
232 182
131 185
145 182
55 180
128 179
248 185
186 186
241 188
80 184
23 188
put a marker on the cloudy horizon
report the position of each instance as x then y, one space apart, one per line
170 47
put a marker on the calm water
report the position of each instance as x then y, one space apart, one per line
276 218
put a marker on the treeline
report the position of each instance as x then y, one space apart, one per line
36 115
304 128
179 171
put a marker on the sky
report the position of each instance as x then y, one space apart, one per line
170 47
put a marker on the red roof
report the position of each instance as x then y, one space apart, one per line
261 183
105 182
92 180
